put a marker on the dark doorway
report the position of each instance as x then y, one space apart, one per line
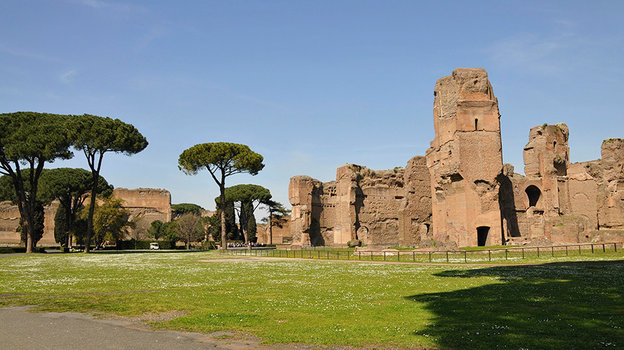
534 194
482 235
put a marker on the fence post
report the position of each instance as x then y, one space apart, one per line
522 252
506 254
384 256
413 256
592 248
447 260
359 255
603 248
465 258
319 254
615 247
579 249
371 255
429 256
538 252
566 250
348 256
398 256
337 255
489 255
552 250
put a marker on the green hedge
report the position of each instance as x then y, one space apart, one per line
11 250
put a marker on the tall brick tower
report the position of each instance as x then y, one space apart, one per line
465 159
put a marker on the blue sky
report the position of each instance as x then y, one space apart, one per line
310 85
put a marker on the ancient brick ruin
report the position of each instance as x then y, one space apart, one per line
145 205
461 193
386 207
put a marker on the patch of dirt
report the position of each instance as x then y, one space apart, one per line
137 333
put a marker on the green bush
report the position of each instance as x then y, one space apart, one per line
208 245
11 250
354 243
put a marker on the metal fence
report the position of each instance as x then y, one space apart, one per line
450 256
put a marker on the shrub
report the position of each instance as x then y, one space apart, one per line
354 243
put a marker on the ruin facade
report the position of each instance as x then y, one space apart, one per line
461 193
383 207
465 159
145 205
279 234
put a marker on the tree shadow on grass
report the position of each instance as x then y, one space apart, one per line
576 305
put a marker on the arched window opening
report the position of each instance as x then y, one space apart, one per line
534 194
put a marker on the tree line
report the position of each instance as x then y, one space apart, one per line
30 140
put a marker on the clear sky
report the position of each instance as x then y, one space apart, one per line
310 85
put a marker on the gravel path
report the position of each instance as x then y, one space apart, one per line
21 329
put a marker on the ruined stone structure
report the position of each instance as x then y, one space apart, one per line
385 207
281 232
145 205
461 193
465 160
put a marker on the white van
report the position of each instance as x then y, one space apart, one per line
154 246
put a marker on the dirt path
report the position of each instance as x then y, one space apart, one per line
21 329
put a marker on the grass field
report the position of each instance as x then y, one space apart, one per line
553 304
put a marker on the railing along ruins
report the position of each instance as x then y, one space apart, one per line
421 256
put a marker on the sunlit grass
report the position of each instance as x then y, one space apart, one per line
332 302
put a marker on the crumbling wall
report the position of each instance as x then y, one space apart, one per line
9 222
546 159
583 191
551 201
145 205
373 206
379 199
465 160
301 191
281 232
611 186
415 214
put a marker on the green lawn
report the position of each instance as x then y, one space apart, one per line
556 304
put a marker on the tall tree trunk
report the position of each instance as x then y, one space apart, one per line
26 237
67 224
28 227
222 204
90 219
270 227
242 220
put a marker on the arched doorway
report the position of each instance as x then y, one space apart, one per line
534 195
482 235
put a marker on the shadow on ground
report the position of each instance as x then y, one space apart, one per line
577 305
